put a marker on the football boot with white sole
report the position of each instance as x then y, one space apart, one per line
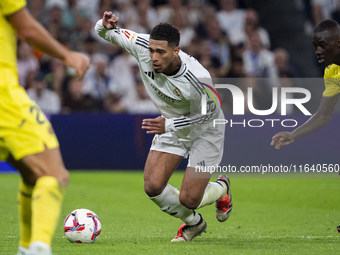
224 205
187 233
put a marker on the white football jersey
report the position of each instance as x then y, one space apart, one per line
178 97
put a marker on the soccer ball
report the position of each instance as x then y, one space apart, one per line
82 226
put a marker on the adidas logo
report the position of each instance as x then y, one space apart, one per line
202 163
150 74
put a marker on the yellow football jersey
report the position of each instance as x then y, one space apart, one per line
8 49
332 80
24 129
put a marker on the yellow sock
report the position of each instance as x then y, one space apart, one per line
25 213
46 205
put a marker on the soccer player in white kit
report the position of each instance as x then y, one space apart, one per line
171 78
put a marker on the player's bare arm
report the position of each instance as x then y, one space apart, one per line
35 34
318 120
110 21
154 126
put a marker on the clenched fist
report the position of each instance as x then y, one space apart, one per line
110 21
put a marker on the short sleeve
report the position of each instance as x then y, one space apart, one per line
11 6
332 84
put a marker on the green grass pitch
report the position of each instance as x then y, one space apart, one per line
270 216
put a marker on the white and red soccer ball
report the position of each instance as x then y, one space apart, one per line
82 226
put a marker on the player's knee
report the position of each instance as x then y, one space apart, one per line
188 201
64 177
61 174
153 188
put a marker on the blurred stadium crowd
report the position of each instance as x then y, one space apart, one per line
226 36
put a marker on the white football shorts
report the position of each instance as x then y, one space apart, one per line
205 150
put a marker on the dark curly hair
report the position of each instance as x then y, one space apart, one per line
166 32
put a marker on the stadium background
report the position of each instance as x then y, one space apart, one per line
97 120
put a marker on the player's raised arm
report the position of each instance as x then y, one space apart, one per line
318 120
32 32
108 29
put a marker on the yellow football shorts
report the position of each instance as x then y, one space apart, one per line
24 129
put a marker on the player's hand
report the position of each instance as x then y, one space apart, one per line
154 126
78 61
282 139
110 21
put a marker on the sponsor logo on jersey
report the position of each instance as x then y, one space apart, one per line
163 96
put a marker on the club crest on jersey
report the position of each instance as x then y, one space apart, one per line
177 92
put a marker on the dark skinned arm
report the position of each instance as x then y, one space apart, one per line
322 117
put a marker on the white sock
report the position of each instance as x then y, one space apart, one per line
168 202
212 192
40 248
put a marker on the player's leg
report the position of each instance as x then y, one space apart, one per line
165 155
27 141
196 190
158 170
24 198
47 175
